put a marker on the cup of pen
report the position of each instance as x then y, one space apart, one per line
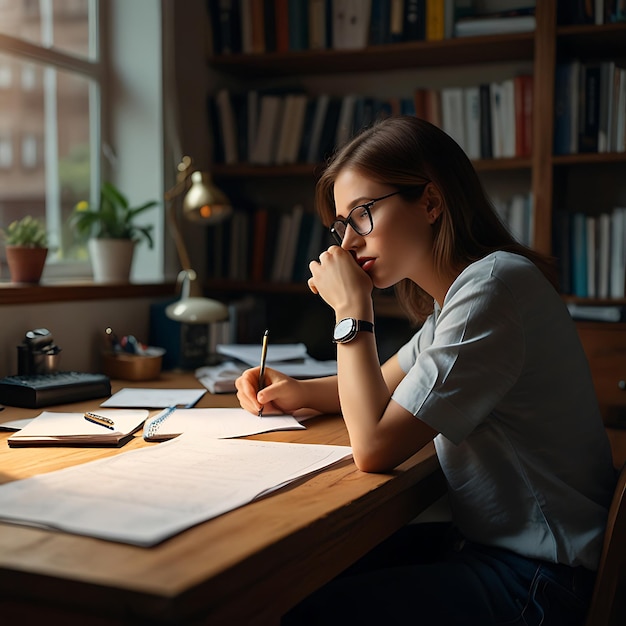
129 360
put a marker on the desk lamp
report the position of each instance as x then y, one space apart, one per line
204 204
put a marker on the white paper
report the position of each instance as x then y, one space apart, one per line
153 398
16 424
52 425
218 423
144 496
251 353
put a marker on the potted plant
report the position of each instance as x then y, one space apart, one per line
111 232
26 244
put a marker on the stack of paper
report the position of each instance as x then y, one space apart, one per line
290 359
145 496
61 429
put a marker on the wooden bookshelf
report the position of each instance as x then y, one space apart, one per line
542 49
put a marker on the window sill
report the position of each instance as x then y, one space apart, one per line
53 291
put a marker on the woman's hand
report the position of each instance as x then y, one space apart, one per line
280 395
341 283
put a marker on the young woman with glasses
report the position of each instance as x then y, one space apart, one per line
495 375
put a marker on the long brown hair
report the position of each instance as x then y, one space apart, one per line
406 151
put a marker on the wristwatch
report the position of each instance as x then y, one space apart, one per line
347 328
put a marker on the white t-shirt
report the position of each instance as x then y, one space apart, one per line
500 372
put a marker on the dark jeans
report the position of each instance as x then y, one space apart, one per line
425 575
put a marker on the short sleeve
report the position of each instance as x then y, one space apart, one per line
475 357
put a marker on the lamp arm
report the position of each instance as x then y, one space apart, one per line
181 248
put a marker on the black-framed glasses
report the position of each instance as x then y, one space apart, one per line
360 217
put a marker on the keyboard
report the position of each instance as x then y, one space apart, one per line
37 390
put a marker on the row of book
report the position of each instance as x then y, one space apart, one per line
590 107
261 26
591 11
266 245
269 245
491 120
592 253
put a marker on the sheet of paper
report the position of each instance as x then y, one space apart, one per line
153 398
216 422
251 353
16 424
144 496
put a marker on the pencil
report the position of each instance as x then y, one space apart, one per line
262 369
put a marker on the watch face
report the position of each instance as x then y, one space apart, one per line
344 329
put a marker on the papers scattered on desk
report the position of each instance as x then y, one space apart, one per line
290 359
63 429
145 496
154 398
218 423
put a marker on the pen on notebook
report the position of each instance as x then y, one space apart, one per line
262 370
100 420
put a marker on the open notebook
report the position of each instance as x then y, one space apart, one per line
72 429
220 423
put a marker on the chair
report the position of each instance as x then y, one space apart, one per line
608 603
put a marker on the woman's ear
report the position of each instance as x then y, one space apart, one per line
434 202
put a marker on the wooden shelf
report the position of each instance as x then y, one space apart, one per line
589 42
247 170
591 157
449 52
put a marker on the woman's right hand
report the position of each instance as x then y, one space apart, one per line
280 395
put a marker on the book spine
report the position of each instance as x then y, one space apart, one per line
435 20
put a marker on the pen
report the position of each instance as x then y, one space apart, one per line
100 420
262 370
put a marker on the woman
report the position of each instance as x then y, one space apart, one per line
495 375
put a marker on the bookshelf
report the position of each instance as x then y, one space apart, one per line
552 179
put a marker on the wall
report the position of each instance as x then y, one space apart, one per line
77 328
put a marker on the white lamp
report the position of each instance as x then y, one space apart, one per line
205 204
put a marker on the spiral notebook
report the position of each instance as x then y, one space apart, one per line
220 423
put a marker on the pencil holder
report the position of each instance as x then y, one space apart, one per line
133 366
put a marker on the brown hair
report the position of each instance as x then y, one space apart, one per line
406 151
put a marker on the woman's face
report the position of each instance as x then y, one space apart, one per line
401 241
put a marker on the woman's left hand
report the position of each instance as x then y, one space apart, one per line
339 280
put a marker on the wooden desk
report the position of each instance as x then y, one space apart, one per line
246 567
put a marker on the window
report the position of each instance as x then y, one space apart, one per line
50 111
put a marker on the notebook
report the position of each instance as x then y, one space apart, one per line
219 423
72 429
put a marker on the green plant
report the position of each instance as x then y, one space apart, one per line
28 232
113 218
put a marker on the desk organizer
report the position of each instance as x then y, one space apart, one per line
124 366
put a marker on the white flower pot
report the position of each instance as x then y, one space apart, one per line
111 259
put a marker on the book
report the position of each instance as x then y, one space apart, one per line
523 111
562 109
228 126
452 115
618 253
474 26
281 12
589 114
50 428
298 21
379 22
318 20
321 107
578 252
220 423
486 139
414 28
259 238
435 20
471 112
396 21
271 110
